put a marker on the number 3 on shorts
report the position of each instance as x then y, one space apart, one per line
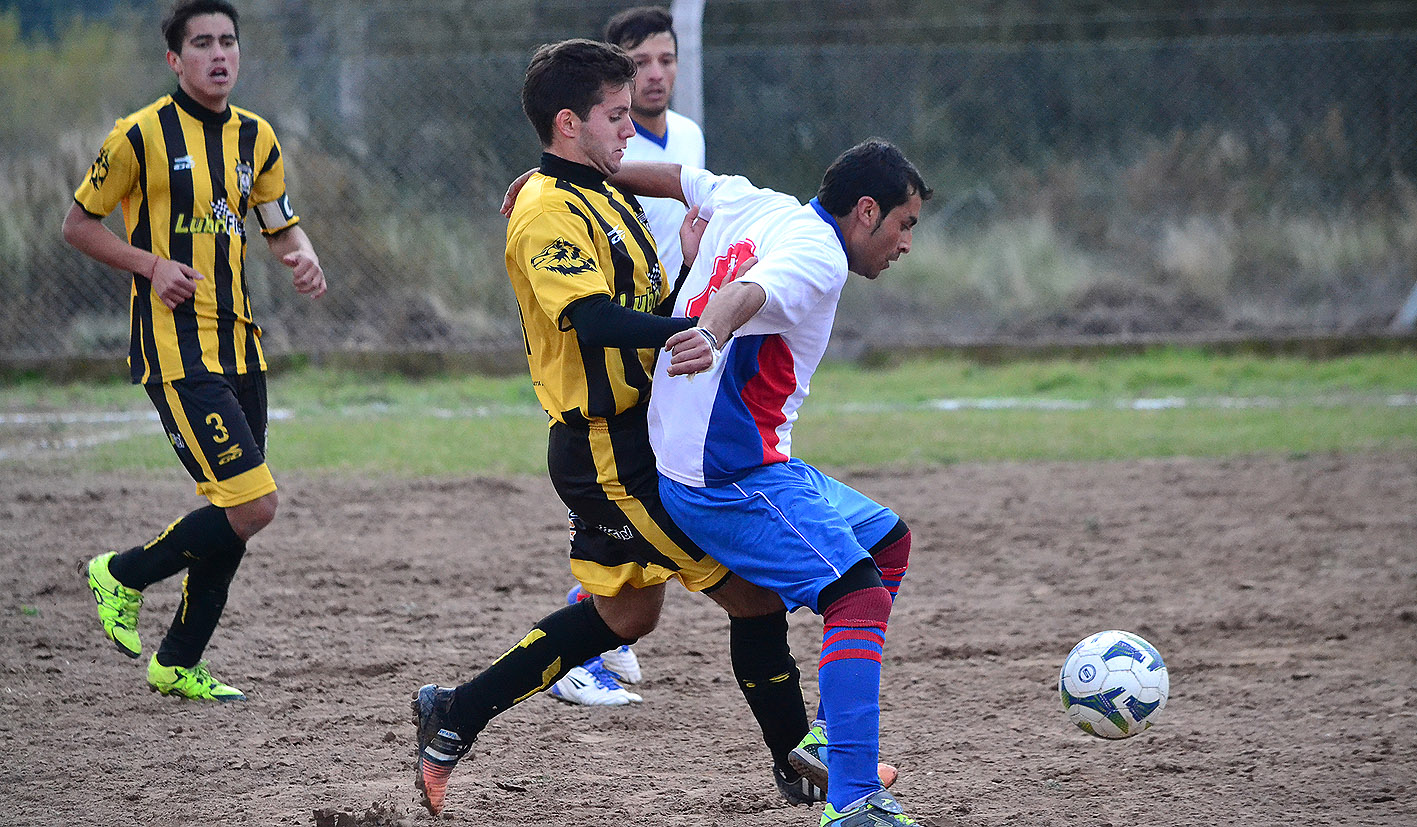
214 420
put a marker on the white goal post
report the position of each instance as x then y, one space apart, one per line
689 86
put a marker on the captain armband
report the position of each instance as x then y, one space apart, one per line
275 215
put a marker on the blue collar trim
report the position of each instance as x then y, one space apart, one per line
660 141
827 217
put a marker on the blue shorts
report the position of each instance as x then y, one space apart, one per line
785 526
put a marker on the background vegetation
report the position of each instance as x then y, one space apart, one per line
1101 169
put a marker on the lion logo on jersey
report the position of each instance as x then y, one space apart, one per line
561 256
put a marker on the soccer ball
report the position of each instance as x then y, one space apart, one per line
1113 684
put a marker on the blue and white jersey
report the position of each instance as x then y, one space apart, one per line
682 143
716 426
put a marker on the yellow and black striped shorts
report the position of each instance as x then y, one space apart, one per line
217 426
620 533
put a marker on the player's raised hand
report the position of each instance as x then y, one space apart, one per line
510 199
691 232
173 282
743 266
308 276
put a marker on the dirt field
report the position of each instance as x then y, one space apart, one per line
1282 592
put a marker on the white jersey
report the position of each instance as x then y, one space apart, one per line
683 144
716 426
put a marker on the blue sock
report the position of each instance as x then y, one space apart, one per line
849 680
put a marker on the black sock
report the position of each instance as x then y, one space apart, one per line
559 642
204 591
203 534
770 680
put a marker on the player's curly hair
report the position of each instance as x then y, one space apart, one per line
574 75
174 26
874 167
632 27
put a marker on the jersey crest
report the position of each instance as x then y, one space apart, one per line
245 174
561 256
723 267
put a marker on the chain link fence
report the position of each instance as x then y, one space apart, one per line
1137 186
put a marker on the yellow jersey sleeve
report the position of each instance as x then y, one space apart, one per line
113 175
268 195
559 258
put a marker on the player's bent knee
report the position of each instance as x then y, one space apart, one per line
739 598
862 607
633 613
893 551
248 518
629 625
863 575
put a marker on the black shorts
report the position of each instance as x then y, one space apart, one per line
217 426
620 532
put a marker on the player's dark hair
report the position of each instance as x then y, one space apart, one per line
572 74
874 167
632 27
174 26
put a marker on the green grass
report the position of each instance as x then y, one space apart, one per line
1165 372
855 418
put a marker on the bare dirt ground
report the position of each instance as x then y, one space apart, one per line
1282 592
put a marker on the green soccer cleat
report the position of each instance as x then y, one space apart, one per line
809 761
195 683
117 606
880 809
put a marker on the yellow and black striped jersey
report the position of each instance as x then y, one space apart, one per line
570 236
186 178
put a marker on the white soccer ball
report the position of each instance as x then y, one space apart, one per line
1113 684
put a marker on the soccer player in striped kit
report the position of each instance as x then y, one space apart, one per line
646 33
187 169
588 283
723 436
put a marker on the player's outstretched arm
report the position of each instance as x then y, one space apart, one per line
173 282
652 179
292 246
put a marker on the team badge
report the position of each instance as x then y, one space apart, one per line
561 256
244 176
725 269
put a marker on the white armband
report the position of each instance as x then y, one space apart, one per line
274 215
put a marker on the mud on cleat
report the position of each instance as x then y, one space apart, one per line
439 746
